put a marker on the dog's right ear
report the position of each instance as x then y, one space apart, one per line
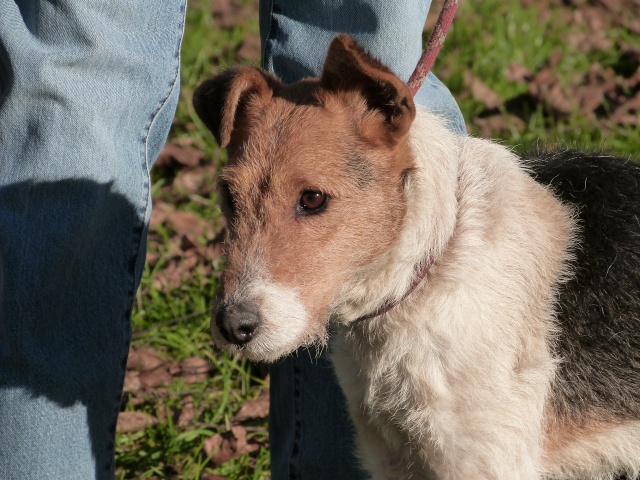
221 101
349 68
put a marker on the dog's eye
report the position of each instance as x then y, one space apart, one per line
312 201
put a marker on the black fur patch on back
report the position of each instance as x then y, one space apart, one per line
599 308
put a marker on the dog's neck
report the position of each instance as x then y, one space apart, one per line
420 272
428 224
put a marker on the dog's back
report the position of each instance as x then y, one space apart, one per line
598 343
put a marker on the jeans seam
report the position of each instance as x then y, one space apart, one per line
268 40
139 236
147 130
294 472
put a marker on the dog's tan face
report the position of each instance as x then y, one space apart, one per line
313 193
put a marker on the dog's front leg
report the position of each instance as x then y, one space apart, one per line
383 451
476 424
373 451
492 434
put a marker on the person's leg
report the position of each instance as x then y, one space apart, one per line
87 95
310 432
295 36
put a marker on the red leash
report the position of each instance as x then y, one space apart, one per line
433 45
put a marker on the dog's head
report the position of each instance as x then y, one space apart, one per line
312 193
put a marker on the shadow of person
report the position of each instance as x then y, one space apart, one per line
70 256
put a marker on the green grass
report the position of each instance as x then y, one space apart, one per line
488 36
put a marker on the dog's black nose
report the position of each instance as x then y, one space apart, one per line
237 324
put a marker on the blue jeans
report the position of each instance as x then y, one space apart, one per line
88 91
87 94
310 431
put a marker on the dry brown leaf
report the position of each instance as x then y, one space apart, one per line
162 412
186 223
252 409
142 359
224 13
634 80
190 261
131 382
159 213
555 57
188 181
596 20
152 258
589 41
134 421
607 14
589 98
628 113
175 155
200 180
186 412
169 277
136 399
518 73
545 88
595 85
188 244
209 253
223 447
156 377
490 126
189 228
250 49
556 100
481 92
220 225
211 476
194 369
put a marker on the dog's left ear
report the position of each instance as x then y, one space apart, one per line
349 68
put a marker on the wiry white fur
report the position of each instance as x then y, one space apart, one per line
613 449
452 383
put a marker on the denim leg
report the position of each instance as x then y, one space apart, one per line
310 431
295 36
87 94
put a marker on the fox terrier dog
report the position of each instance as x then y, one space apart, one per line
485 308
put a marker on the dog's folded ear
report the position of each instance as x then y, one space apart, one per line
349 68
221 102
